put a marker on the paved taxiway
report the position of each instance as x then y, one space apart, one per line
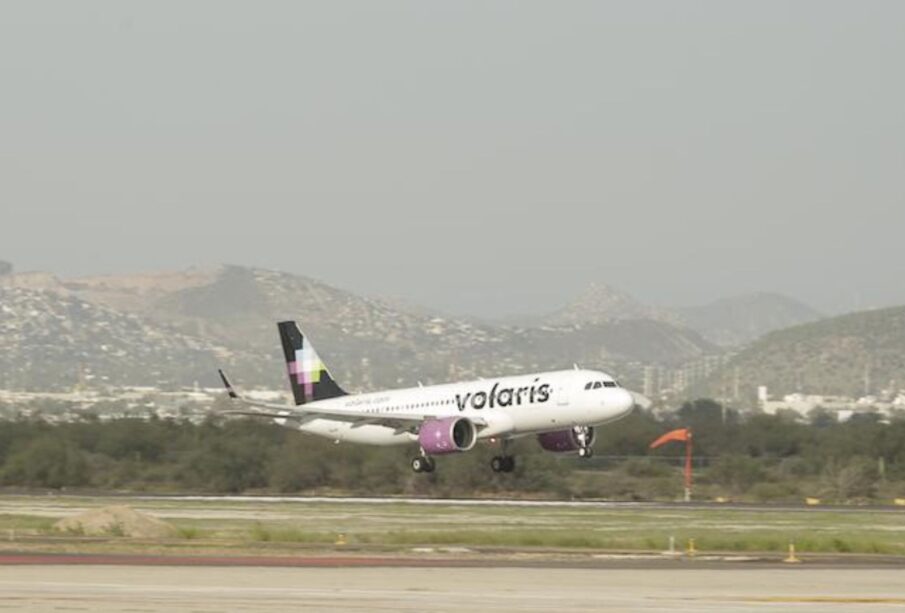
253 589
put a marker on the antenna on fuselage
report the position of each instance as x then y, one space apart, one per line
575 366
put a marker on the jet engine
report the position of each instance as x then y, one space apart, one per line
447 435
568 441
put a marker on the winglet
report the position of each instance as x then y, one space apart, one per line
229 386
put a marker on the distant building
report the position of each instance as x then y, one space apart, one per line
762 395
842 407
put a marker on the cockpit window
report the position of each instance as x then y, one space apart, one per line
596 385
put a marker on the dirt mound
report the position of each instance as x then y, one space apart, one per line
116 521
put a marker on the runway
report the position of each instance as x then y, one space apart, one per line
205 589
466 559
447 566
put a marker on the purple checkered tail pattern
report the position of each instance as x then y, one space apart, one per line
308 375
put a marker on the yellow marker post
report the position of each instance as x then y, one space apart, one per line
899 502
691 550
792 558
340 539
812 502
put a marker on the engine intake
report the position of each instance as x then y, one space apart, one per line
567 441
447 435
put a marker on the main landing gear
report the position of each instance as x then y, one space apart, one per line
504 463
423 464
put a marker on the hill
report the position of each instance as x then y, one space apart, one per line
830 356
600 303
741 319
727 322
51 339
372 342
175 328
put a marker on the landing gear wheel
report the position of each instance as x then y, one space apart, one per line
496 464
423 464
502 464
418 464
585 452
508 463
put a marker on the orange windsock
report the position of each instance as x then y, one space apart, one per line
682 434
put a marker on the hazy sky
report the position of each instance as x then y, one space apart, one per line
477 157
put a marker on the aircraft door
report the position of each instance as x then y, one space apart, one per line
562 395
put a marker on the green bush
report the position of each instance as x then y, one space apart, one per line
774 492
737 472
646 467
761 457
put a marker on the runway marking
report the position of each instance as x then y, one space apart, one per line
825 599
270 561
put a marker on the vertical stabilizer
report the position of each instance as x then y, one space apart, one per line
307 374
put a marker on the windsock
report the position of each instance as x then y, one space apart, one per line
682 434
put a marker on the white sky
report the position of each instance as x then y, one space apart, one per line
476 157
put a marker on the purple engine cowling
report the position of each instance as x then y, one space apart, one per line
447 435
565 441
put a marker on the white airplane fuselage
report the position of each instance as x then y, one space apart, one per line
508 407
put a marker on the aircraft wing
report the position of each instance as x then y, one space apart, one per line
399 421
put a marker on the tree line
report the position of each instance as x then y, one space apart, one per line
761 457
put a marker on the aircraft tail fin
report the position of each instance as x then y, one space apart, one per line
307 374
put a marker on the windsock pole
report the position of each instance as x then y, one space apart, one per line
680 434
688 466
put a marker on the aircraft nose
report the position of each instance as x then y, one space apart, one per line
628 400
640 400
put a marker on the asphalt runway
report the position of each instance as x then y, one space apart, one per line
468 559
253 589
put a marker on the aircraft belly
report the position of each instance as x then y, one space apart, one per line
547 418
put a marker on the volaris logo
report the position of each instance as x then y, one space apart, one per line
504 397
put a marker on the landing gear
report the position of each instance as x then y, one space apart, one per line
584 438
502 464
423 464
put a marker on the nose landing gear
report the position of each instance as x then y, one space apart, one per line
584 438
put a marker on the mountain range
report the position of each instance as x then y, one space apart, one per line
851 355
727 322
176 328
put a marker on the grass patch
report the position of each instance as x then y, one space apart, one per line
253 523
189 533
268 534
26 523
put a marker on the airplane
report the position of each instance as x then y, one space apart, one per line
561 408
